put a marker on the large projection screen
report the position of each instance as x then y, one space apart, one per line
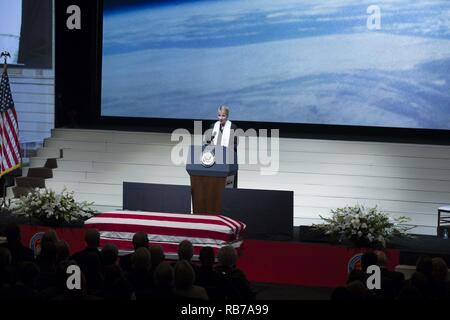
339 62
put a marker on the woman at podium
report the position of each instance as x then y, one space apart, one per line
223 135
223 129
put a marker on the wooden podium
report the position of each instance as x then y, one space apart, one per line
209 166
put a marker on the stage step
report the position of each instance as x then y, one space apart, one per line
41 172
51 163
49 153
30 182
110 136
20 191
95 188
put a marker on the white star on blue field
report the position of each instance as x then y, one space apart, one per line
280 61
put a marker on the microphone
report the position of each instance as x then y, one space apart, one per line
212 138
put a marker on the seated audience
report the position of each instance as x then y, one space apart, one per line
391 281
233 283
163 283
422 283
424 265
62 292
92 239
439 279
157 256
89 259
25 287
358 291
62 251
19 253
140 276
7 272
140 240
186 253
184 283
207 277
92 270
46 261
113 276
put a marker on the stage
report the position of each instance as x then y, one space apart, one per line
307 259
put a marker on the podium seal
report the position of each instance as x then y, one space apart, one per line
208 159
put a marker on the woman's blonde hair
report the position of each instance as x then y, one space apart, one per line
224 108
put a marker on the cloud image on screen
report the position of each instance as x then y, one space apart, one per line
292 61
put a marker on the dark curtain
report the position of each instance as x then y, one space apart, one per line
36 35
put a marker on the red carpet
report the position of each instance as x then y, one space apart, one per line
301 263
263 261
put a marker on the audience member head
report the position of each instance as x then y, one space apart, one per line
368 259
141 260
164 275
12 233
48 253
140 240
185 250
227 256
357 290
92 238
110 254
5 258
50 236
207 256
421 282
381 259
157 255
424 265
62 251
92 270
184 275
440 270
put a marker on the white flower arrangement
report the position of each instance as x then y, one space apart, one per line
364 227
52 208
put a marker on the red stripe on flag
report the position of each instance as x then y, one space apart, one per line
11 153
13 120
12 137
5 155
237 224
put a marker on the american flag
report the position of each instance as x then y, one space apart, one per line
168 230
10 147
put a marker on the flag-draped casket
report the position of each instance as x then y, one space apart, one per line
167 230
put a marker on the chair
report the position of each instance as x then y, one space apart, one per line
443 220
